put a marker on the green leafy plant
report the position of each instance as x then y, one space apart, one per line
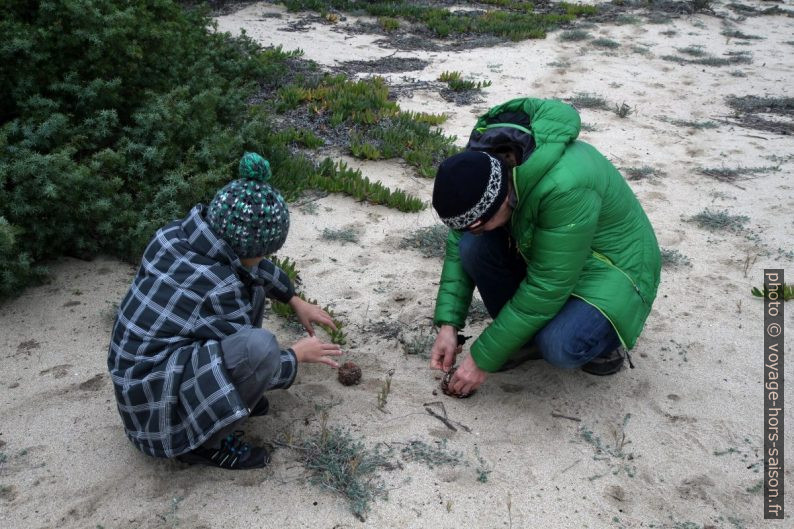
389 23
285 310
786 292
456 82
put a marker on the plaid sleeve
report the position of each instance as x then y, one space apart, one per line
289 369
276 281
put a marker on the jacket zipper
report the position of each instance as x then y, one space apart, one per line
608 261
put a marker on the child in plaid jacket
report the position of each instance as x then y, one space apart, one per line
188 357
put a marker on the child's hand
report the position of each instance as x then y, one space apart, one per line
314 351
308 314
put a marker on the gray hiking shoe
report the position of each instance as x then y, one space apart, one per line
609 363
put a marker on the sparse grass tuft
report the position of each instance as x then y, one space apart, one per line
605 43
736 34
719 220
669 33
623 110
749 111
728 174
343 235
674 259
586 100
432 456
737 57
769 105
477 310
693 51
483 469
430 241
574 35
383 394
627 19
343 464
691 124
418 345
639 173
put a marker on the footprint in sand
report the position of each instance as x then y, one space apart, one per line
92 384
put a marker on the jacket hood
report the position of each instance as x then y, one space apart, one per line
553 125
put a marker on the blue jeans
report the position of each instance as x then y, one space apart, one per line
576 335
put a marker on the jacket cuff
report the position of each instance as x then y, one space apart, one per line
283 295
289 370
484 361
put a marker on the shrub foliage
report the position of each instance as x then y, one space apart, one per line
116 117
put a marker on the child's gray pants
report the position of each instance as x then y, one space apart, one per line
253 359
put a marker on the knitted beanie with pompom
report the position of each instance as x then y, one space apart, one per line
249 214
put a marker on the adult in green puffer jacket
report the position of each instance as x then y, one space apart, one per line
550 233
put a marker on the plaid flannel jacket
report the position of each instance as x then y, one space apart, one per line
190 292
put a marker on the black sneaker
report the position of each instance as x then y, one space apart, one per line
260 408
608 364
233 454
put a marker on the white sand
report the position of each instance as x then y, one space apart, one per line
696 389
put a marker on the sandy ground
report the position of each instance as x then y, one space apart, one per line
689 417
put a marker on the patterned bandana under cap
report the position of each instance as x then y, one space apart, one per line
249 214
493 190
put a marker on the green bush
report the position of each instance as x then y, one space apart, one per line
116 117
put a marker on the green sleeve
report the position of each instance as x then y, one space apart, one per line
455 288
561 242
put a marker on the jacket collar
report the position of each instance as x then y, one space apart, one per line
204 241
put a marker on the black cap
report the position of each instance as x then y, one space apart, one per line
469 186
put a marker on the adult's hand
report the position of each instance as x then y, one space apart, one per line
308 313
442 356
467 378
314 351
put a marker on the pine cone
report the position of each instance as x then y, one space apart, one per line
445 385
349 374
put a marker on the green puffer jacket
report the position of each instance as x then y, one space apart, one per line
581 231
